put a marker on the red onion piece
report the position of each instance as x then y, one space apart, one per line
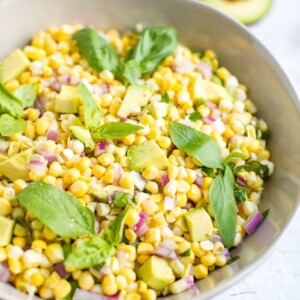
75 80
123 119
114 297
199 181
216 238
205 69
185 67
253 222
105 270
117 174
4 272
87 295
53 135
55 86
169 244
65 79
61 270
143 230
100 88
210 105
141 227
190 282
47 82
209 120
226 253
49 156
241 181
122 258
100 148
165 253
40 104
164 179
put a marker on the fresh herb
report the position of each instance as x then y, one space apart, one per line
74 286
27 94
186 253
116 228
57 209
93 252
233 259
83 135
195 116
10 126
153 47
165 98
99 54
10 104
265 213
240 195
122 199
196 144
67 249
130 72
231 156
115 130
210 172
92 113
223 206
255 166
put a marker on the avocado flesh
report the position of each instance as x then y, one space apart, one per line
67 101
13 65
247 11
16 167
6 230
158 109
156 273
199 224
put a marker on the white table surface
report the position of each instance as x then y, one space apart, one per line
279 277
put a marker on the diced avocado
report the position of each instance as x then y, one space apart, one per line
136 97
16 167
13 65
145 155
158 109
103 193
248 12
6 230
67 100
199 224
207 90
156 273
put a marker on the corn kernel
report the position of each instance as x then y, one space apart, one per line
129 275
194 193
126 180
144 248
200 271
5 207
208 260
62 290
55 253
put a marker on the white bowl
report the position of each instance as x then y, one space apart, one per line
199 27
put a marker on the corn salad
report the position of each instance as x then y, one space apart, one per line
156 230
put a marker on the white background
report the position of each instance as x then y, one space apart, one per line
279 277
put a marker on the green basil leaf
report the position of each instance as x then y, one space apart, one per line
233 259
60 211
223 206
27 94
74 286
195 116
196 144
153 47
10 126
99 54
255 166
186 253
130 72
67 249
165 98
93 252
9 103
83 135
231 156
116 228
92 113
265 213
210 172
115 130
240 195
122 199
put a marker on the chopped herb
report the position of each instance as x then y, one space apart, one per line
195 116
240 195
165 98
211 172
122 199
233 259
188 252
266 213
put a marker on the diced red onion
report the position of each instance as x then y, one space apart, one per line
216 114
4 273
84 295
40 104
100 148
122 258
169 244
65 79
165 253
164 179
143 230
111 199
140 228
241 181
209 120
169 203
105 270
253 222
47 82
190 282
210 105
53 135
199 181
100 88
37 167
55 86
139 181
49 156
205 69
184 67
117 174
226 253
61 270
123 119
75 80
216 238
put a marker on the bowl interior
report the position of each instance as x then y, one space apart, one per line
199 27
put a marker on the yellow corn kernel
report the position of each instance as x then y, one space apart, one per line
133 296
20 230
263 155
159 219
86 280
181 199
109 176
79 188
37 279
164 142
148 120
144 248
149 295
182 247
153 134
76 274
172 160
153 235
38 245
56 60
19 241
132 217
98 171
41 126
70 176
48 233
46 293
3 254
106 159
152 187
19 185
191 176
208 260
62 290
207 182
5 207
121 282
142 258
150 173
109 285
12 85
130 235
33 114
129 275
150 207
200 271
223 73
130 250
221 260
52 281
34 53
14 266
126 180
173 171
194 193
183 187
198 251
30 131
142 286
55 253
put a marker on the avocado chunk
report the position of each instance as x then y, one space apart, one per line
6 230
136 97
158 109
199 224
102 194
247 11
13 65
67 100
145 155
16 167
156 273
207 90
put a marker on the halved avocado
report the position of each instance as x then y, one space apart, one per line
247 11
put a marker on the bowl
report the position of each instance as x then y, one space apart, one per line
199 27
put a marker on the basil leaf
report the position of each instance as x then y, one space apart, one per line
83 135
153 47
265 213
231 156
67 249
116 228
233 259
255 166
99 54
92 113
74 286
93 252
122 199
27 94
223 206
195 116
10 126
165 98
130 72
115 130
9 103
240 195
196 144
210 172
57 209
186 253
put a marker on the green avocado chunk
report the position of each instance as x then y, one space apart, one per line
136 97
158 109
199 224
145 155
156 273
6 230
16 167
247 11
13 65
67 101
